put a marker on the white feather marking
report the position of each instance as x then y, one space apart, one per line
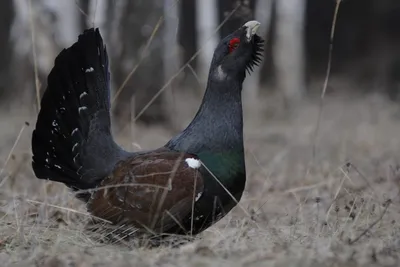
82 95
89 69
74 131
198 217
81 108
220 73
198 196
193 163
73 148
57 166
74 159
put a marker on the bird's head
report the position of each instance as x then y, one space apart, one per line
238 52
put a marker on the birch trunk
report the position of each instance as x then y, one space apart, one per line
8 14
171 52
138 21
263 14
289 49
206 23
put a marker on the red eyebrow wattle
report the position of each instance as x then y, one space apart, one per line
232 42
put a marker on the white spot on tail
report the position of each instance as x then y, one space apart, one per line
74 131
82 95
89 69
54 123
74 159
198 217
220 74
73 148
81 108
193 163
198 196
57 166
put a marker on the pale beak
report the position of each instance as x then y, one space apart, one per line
251 28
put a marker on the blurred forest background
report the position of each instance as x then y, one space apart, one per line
150 43
312 187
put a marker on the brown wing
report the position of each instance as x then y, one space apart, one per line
155 191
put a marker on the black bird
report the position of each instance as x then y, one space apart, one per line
181 188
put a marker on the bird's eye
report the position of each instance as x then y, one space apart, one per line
233 44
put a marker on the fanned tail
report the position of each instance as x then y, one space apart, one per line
72 141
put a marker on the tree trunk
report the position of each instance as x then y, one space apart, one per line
206 24
187 38
263 14
138 21
7 13
50 27
170 50
84 14
289 49
243 13
67 21
97 11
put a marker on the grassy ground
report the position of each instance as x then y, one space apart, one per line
330 209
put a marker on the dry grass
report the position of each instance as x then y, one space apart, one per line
304 211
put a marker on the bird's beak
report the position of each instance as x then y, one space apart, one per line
251 28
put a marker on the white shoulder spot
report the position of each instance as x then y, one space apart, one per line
193 163
220 74
198 196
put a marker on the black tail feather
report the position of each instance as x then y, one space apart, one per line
72 141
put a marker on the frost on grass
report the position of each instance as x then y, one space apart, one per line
331 210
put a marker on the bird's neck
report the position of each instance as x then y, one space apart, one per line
215 135
218 124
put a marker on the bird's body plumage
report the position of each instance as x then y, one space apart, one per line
182 187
